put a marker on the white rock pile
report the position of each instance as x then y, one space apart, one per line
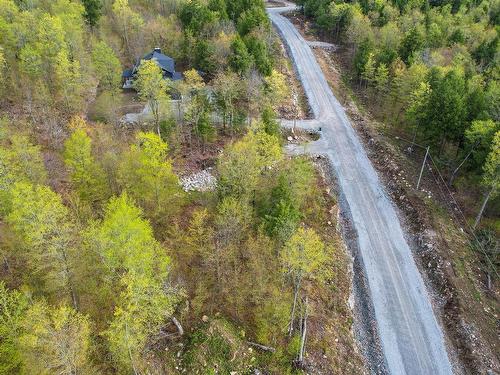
200 181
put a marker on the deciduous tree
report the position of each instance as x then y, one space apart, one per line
43 224
137 265
21 161
146 174
227 90
87 176
13 305
107 67
129 24
245 161
277 88
304 256
152 88
55 340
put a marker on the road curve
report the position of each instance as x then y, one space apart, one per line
411 339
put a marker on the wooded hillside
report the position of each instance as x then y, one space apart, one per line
430 69
108 264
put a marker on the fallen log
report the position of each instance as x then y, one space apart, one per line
178 325
262 347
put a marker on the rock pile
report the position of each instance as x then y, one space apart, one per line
200 181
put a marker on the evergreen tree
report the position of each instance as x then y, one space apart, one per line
491 176
411 43
240 60
93 11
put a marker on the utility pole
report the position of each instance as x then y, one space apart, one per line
303 335
423 166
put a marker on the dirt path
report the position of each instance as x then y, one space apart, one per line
410 337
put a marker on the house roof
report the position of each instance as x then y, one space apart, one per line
128 73
163 61
176 76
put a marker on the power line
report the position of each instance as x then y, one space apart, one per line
385 132
457 206
469 229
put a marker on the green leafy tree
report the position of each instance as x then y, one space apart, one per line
284 213
55 340
87 176
491 177
42 222
270 123
359 29
198 115
142 311
204 58
476 99
69 81
244 163
21 161
124 240
227 91
204 128
277 88
492 97
485 53
382 79
251 19
197 16
304 256
107 66
30 62
128 23
146 174
363 53
479 137
13 307
440 111
340 16
136 264
152 88
219 6
258 50
369 69
190 86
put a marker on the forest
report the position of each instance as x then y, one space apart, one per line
429 71
108 265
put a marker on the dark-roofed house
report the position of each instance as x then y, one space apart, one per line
166 63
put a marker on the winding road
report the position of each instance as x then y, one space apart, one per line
411 339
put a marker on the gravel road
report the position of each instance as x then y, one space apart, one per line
411 339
